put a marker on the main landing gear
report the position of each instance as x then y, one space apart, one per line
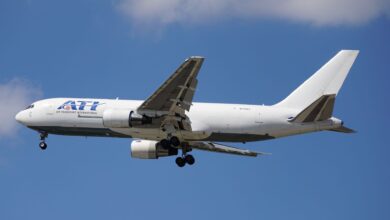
43 144
181 161
185 158
175 142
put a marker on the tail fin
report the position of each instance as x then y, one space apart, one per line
326 81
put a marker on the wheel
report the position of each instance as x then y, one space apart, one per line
175 141
165 144
189 159
43 145
180 162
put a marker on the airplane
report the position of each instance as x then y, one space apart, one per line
169 121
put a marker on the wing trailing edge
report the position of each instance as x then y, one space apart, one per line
214 147
343 129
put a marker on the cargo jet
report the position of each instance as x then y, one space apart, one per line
169 121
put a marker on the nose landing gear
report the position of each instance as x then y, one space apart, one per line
42 144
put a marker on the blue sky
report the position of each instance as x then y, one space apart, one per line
256 52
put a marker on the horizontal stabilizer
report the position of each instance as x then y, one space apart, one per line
208 146
319 110
343 129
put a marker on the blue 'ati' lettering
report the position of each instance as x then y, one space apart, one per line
94 106
68 105
83 104
71 105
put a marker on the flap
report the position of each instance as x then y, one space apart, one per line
209 146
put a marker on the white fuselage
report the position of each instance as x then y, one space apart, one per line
209 121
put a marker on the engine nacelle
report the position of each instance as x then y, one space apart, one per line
124 118
145 149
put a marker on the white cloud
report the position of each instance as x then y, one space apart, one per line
160 13
15 95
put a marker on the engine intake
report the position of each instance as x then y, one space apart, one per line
124 118
145 149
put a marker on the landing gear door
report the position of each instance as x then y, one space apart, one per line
50 110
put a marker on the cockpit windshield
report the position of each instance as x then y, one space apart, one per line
30 106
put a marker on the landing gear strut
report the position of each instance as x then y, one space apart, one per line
43 144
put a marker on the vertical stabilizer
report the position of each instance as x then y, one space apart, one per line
326 81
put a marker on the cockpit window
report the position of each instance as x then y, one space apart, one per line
30 106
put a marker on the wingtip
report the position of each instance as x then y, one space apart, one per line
263 154
196 58
351 51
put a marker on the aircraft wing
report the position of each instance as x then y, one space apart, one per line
175 95
209 146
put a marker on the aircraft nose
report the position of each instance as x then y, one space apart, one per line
20 117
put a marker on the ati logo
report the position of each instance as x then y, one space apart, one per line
79 105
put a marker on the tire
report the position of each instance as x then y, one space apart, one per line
165 144
189 159
175 141
43 145
180 162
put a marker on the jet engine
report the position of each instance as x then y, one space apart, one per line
145 149
124 118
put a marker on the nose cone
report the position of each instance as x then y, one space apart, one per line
21 117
